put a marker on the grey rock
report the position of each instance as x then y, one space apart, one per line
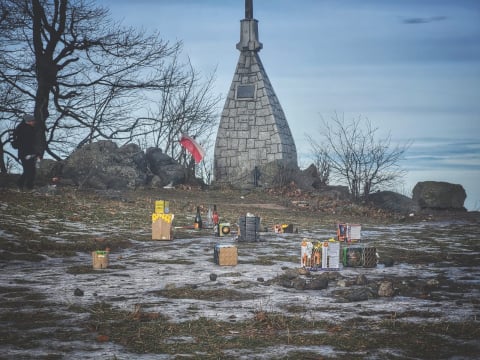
439 195
78 292
386 289
299 284
394 202
318 284
358 294
388 261
361 280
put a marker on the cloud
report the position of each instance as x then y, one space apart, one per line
418 20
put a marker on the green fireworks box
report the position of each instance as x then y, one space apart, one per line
359 256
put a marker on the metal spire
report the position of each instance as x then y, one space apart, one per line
249 9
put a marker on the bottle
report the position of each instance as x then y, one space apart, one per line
215 219
209 221
197 225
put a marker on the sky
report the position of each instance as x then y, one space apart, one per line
411 67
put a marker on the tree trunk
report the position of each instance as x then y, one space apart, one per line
3 168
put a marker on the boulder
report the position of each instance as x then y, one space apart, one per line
166 170
394 202
102 165
308 179
439 195
318 283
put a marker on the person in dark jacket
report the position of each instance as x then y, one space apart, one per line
24 135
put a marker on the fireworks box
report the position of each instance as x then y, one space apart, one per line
162 226
100 259
248 228
359 256
320 255
224 229
225 255
331 255
162 207
349 232
283 228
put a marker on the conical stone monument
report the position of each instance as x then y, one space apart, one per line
253 130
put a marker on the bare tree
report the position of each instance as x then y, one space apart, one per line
357 157
188 109
91 78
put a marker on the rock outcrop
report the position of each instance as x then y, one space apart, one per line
393 202
104 165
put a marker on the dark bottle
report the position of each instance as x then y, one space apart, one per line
198 220
216 218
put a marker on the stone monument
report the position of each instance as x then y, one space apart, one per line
253 129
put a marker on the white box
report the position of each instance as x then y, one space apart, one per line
331 255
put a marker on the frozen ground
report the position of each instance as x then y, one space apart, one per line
136 275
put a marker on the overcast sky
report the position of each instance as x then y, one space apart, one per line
412 67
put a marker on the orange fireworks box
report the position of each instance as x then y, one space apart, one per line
225 255
162 228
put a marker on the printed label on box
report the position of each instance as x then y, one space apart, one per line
162 206
165 217
331 255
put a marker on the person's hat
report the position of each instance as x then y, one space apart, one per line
28 118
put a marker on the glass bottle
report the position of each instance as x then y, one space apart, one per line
216 218
198 220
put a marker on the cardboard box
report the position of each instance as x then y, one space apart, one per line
355 232
225 255
331 255
283 228
100 259
162 228
349 232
